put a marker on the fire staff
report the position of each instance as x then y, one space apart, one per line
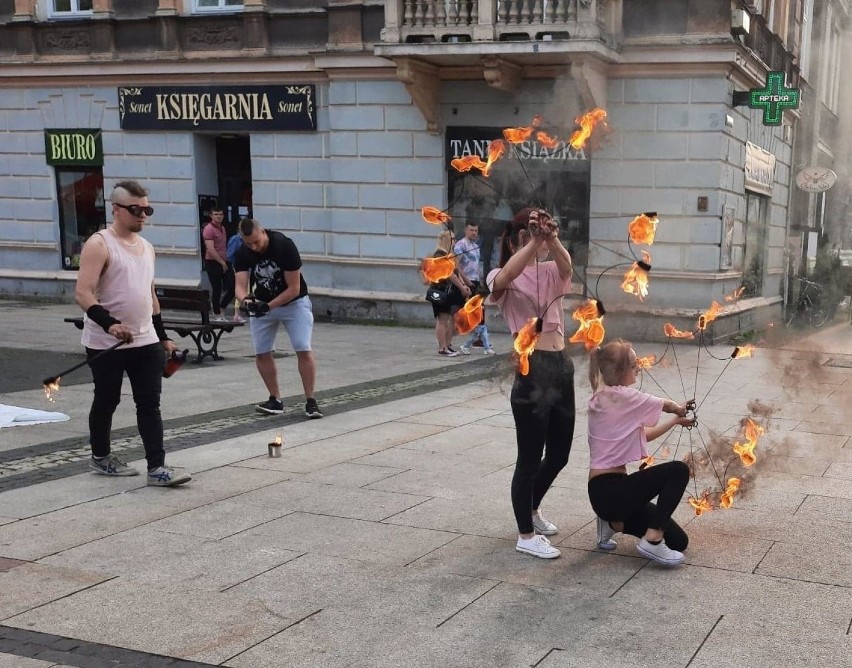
115 287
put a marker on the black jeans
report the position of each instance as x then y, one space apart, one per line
543 408
618 497
144 367
221 283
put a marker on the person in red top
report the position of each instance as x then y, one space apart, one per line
216 265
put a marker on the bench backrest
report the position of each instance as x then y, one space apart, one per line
196 300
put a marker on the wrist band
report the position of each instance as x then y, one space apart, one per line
100 316
157 319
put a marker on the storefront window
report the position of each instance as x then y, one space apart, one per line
81 209
757 207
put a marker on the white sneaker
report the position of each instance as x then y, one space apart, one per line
537 546
542 526
464 350
489 351
659 553
605 534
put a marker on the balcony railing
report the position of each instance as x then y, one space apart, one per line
416 21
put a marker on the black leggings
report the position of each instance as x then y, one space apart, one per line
543 408
221 284
618 497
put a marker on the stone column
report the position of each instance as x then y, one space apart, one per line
393 21
344 24
483 31
166 14
168 7
254 5
24 10
102 9
255 27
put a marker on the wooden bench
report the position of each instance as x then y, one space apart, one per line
205 334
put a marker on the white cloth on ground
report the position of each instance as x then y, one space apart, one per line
14 416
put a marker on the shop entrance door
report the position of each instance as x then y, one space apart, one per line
233 162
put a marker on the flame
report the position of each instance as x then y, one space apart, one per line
709 315
52 388
642 229
636 279
278 440
742 351
520 135
746 450
524 344
591 330
670 330
470 315
495 150
727 498
702 505
646 362
435 216
587 123
646 462
435 269
467 162
546 140
735 295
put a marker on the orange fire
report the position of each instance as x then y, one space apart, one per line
546 140
636 279
646 362
742 351
702 505
709 315
495 151
587 123
51 389
646 462
436 269
735 295
643 228
470 315
524 345
520 135
746 450
671 331
727 498
435 216
467 162
591 330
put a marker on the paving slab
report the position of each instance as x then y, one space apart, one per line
14 661
30 585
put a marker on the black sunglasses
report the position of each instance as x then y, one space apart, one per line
135 209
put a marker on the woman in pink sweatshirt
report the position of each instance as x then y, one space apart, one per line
622 420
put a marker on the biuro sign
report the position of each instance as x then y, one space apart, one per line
67 148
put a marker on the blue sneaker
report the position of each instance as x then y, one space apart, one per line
166 476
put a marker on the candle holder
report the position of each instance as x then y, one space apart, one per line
275 447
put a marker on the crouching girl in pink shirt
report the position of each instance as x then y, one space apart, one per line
621 421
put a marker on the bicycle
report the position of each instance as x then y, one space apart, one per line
808 307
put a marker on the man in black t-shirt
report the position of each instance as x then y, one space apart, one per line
269 282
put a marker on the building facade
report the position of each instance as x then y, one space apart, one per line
335 121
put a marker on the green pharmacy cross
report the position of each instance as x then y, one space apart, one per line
773 98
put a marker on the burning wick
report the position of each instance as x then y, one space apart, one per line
275 447
51 387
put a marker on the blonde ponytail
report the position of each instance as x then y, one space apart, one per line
608 363
594 369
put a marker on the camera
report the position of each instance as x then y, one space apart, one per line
254 307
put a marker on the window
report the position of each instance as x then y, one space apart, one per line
70 7
82 212
217 5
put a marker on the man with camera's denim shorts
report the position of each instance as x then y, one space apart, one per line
269 264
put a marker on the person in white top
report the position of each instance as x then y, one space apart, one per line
115 287
622 420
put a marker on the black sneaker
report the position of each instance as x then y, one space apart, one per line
273 406
312 410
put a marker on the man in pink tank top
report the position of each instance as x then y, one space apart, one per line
115 287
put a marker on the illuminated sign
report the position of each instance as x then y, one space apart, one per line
772 98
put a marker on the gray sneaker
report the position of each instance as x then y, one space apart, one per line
111 465
605 534
166 476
